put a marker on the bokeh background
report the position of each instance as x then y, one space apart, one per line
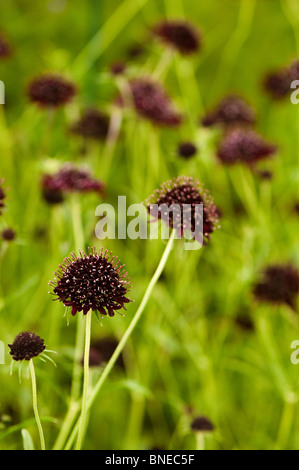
204 345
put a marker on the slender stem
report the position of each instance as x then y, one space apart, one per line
35 409
278 371
163 65
83 417
200 441
73 409
285 426
127 334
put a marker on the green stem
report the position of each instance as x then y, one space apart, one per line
73 409
79 238
127 334
200 441
83 417
279 374
163 64
34 402
285 426
234 45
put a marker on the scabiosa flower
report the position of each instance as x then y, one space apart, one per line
5 48
265 174
8 234
26 346
101 351
51 196
92 125
244 322
94 282
279 285
202 424
135 50
180 35
51 91
187 150
278 83
293 70
2 198
231 111
296 208
69 179
153 103
240 145
117 68
185 194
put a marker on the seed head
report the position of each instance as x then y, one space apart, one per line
8 234
51 91
118 68
186 193
26 346
279 285
94 281
202 424
2 198
102 350
153 103
69 179
243 146
92 125
231 111
5 48
180 35
187 150
278 83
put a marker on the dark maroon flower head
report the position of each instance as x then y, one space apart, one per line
279 285
296 208
153 103
243 146
185 195
8 234
244 322
51 91
202 424
180 35
5 48
102 350
51 196
95 281
69 179
26 346
187 150
231 111
277 84
293 70
92 125
135 51
265 174
2 198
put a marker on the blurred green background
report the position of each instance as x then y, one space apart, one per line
188 352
